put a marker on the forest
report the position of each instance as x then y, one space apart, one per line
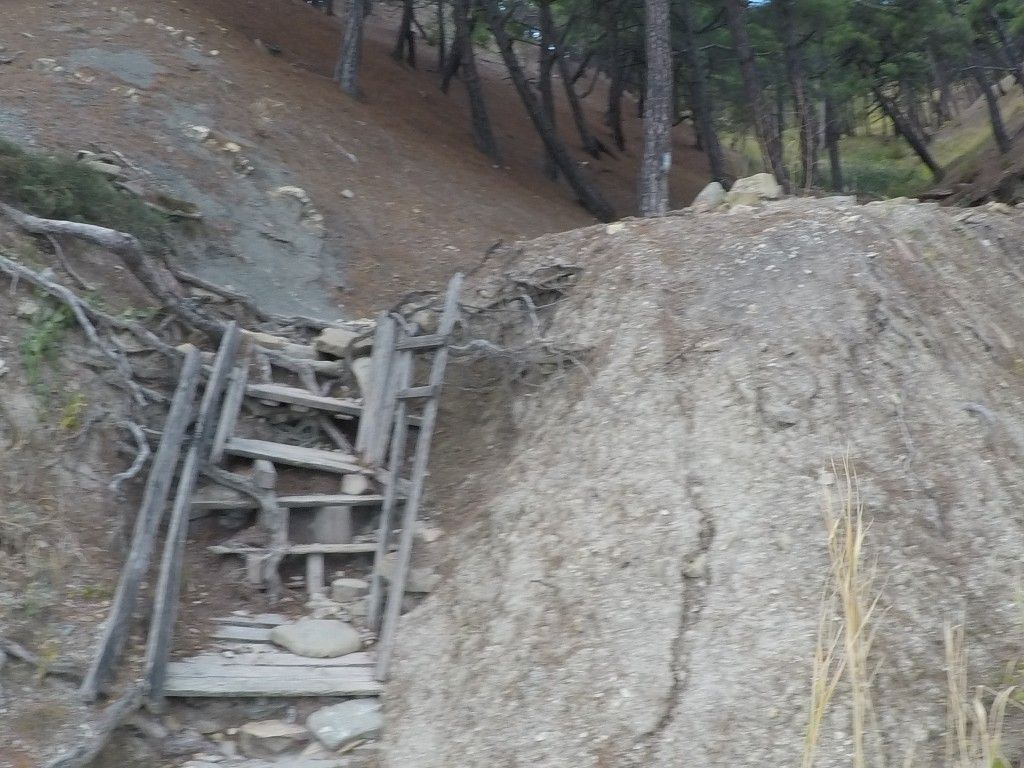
794 76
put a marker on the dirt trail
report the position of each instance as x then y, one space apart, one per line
423 203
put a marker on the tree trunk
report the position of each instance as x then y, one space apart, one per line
1006 43
700 99
764 123
832 142
657 155
346 71
910 101
451 66
545 66
903 127
441 38
588 195
801 101
483 136
613 117
405 43
980 74
591 144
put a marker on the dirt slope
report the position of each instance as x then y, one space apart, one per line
424 202
640 585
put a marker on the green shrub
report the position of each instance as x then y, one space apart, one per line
60 188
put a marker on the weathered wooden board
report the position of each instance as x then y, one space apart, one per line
258 620
307 501
229 411
246 634
298 549
271 658
186 681
147 523
295 456
295 396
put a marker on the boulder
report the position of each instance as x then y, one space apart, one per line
639 576
341 724
334 341
709 198
317 638
355 485
270 737
763 185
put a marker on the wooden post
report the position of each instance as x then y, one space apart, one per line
146 524
380 360
396 589
229 413
165 603
315 575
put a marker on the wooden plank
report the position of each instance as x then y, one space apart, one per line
295 456
429 341
258 620
245 634
396 587
293 395
229 413
147 522
401 371
165 601
384 529
307 501
271 658
350 681
380 360
413 393
297 549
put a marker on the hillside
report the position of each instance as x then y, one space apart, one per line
422 202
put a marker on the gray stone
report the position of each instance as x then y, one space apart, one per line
270 737
355 485
341 724
347 590
186 742
27 309
709 198
109 170
763 185
317 638
334 341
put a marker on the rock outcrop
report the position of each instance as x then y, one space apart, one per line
643 588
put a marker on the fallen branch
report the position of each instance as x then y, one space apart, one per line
130 250
66 265
140 457
112 717
58 668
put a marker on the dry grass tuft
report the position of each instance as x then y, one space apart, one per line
845 631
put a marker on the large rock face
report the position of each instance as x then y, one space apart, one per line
643 588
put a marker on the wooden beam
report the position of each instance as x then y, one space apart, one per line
265 681
295 456
146 524
297 549
267 658
295 396
380 362
315 575
308 501
396 589
430 341
229 413
165 602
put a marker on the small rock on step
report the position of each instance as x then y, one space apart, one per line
317 638
344 723
270 737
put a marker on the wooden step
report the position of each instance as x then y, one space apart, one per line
309 501
413 393
267 656
295 456
297 549
280 393
186 680
430 341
